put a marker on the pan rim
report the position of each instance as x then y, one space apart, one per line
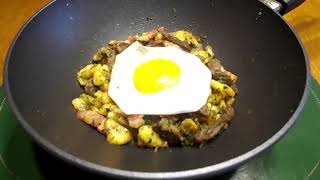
198 172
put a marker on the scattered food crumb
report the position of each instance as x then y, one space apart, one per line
82 51
259 15
211 3
174 9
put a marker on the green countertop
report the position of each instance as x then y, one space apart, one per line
295 157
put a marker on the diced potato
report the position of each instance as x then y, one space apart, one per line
144 37
86 68
84 74
217 116
230 102
216 98
93 108
222 105
98 56
79 104
104 109
209 105
214 109
87 98
106 50
186 36
104 87
189 126
203 55
223 88
117 117
82 81
121 120
100 75
105 68
159 36
87 74
117 134
209 51
103 97
111 115
96 103
147 137
99 78
117 110
232 77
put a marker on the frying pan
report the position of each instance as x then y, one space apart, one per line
251 40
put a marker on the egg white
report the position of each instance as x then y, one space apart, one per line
189 95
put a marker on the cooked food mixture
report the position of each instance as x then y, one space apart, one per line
157 89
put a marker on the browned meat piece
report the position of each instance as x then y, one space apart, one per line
132 39
172 139
101 128
168 131
235 88
212 130
161 29
198 47
153 43
147 36
119 46
89 88
111 60
183 45
135 121
119 112
168 43
98 56
109 55
168 125
106 50
204 110
215 66
220 73
172 117
92 118
114 47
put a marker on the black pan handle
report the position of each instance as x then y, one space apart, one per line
288 5
282 6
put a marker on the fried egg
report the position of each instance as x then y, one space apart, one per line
158 81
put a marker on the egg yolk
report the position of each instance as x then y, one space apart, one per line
156 75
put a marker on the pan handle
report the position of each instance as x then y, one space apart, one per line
288 5
282 6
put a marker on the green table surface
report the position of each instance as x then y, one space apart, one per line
295 157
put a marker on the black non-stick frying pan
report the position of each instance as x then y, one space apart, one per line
251 40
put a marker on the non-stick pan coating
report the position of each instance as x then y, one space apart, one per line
250 40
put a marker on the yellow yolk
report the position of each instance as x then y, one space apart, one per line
156 75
